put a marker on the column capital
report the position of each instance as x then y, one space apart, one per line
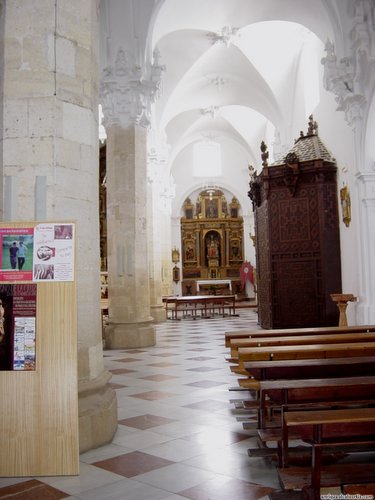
127 90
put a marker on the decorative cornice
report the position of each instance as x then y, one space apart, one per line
127 90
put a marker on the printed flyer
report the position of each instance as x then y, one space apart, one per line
18 326
53 252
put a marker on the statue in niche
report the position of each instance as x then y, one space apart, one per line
212 248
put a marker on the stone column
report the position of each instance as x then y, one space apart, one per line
127 94
50 163
130 323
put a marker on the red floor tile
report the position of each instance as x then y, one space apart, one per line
132 464
222 489
121 371
145 421
31 490
152 395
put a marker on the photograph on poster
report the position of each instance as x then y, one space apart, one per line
63 231
17 248
17 327
43 272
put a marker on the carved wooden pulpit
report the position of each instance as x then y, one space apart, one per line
295 207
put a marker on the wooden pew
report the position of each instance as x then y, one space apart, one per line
350 488
295 369
299 340
311 368
340 429
295 331
350 349
285 392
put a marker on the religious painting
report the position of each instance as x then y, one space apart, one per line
212 208
176 274
235 250
189 251
345 205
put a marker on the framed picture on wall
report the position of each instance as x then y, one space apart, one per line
176 274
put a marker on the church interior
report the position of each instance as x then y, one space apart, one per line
207 167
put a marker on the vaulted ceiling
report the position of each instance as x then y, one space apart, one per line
236 72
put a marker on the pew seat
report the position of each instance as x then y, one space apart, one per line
351 430
295 331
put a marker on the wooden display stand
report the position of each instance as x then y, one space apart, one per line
39 408
342 300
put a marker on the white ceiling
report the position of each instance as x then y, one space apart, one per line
237 71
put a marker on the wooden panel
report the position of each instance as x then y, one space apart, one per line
39 409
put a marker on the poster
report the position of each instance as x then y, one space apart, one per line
16 254
53 252
18 326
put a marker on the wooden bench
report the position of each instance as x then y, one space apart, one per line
350 349
302 369
299 478
295 331
339 429
274 434
359 489
300 340
310 368
284 392
204 306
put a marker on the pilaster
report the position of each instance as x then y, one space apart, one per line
366 311
351 78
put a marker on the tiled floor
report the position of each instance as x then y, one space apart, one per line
178 436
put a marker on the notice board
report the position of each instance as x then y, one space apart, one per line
38 350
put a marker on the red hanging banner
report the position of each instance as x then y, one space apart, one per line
246 273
